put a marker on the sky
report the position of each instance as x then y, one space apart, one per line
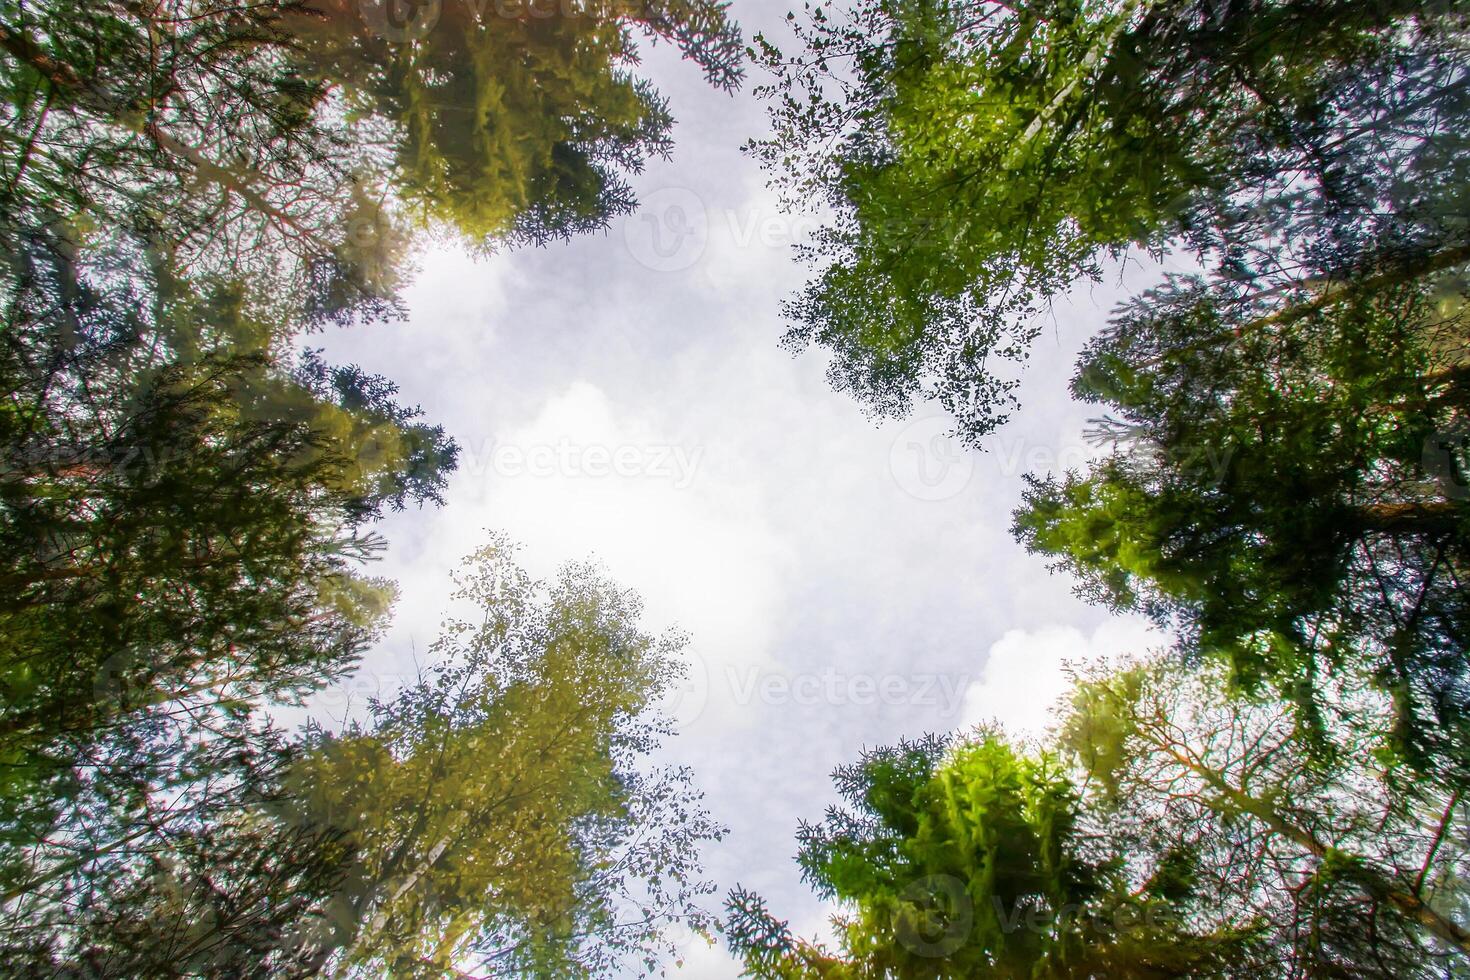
844 582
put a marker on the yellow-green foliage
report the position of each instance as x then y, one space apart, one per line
468 802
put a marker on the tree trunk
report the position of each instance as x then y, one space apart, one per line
1371 880
1421 518
64 77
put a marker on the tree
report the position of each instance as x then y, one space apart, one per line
206 883
1293 500
499 811
297 144
1165 827
183 511
969 858
515 120
177 210
172 476
979 157
1345 867
185 497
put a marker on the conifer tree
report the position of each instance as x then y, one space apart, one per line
964 858
978 158
1292 496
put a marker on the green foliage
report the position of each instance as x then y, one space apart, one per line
1338 865
298 145
968 858
508 122
1167 828
499 809
182 505
1292 496
182 512
185 492
980 157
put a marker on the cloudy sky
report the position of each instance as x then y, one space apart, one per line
844 583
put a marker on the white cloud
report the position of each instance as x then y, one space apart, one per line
697 549
1026 671
585 478
700 961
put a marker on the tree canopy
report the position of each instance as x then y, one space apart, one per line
963 858
1164 828
1337 863
187 189
1291 495
299 144
189 489
185 524
500 811
978 158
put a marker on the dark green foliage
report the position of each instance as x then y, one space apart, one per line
1292 495
186 492
980 157
967 858
181 508
182 511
